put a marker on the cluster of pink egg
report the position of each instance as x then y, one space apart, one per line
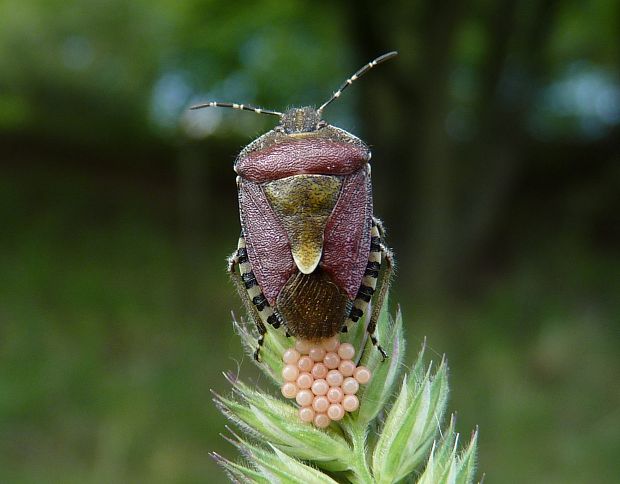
323 379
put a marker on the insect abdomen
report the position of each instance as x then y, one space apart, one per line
312 305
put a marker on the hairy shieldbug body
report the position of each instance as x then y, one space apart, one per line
310 251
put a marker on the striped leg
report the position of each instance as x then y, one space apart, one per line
368 286
251 294
384 287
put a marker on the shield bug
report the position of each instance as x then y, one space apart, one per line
310 252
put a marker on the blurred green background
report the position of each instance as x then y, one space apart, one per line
496 140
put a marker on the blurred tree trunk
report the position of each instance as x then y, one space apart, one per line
420 150
435 232
500 149
495 169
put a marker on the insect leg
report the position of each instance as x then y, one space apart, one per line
384 286
251 293
369 281
233 262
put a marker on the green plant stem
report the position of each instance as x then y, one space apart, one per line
361 473
374 445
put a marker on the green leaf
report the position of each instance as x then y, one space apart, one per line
239 473
303 472
410 426
388 439
379 390
468 461
446 465
274 465
271 420
271 351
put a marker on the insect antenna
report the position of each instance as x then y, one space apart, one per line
243 107
357 75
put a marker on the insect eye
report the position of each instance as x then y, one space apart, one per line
321 124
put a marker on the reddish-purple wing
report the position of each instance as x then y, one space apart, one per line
346 244
267 244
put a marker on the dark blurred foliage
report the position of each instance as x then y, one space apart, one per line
496 169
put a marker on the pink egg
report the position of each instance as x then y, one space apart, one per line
290 373
320 387
346 351
334 378
321 420
304 380
350 386
362 374
350 403
291 356
305 363
319 370
317 353
289 390
347 367
335 411
330 344
304 398
320 404
331 360
303 346
306 414
335 394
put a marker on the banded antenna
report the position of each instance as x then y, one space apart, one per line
242 107
357 75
